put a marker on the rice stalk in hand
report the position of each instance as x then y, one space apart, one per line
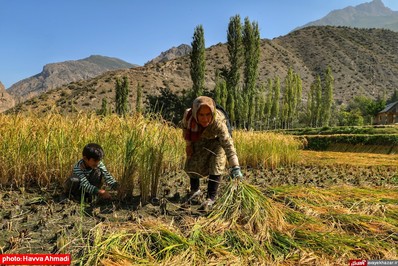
242 204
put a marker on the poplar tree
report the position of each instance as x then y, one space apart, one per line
240 109
122 92
328 97
104 107
298 93
251 44
138 104
316 101
220 91
261 107
319 104
234 44
244 108
224 93
258 110
288 99
311 106
299 89
197 65
284 114
231 105
268 102
119 97
292 98
217 92
276 92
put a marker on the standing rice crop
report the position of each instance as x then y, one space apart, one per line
264 149
131 163
43 149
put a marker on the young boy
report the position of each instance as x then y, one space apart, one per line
88 174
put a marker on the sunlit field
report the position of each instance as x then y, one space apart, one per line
293 207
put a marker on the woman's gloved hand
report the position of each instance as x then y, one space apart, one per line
236 173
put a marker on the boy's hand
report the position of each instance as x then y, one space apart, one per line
104 194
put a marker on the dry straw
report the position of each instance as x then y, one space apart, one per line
244 205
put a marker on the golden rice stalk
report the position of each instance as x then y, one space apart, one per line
242 204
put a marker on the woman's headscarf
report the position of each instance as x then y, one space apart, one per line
203 101
192 129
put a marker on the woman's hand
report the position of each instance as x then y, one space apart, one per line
236 173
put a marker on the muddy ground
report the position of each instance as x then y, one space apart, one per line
42 220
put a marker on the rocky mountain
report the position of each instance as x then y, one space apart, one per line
57 74
6 100
172 53
363 61
368 15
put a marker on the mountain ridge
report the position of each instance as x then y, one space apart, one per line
363 62
367 15
57 74
172 53
6 100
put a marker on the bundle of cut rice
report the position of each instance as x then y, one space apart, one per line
242 204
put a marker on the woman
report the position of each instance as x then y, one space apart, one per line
208 145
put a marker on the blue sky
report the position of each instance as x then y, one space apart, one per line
35 33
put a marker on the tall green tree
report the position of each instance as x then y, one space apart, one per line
231 107
241 109
367 107
198 62
251 45
220 90
276 92
235 49
291 98
288 99
284 114
122 92
224 93
299 95
268 103
328 99
138 104
261 108
319 103
311 106
316 102
104 111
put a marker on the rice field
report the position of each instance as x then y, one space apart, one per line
293 207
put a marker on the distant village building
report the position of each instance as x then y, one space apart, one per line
388 115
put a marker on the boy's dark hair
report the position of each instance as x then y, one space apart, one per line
93 150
